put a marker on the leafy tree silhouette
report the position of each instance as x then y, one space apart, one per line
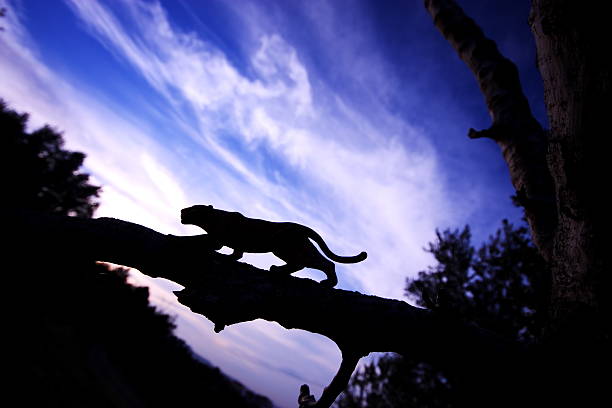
39 173
501 287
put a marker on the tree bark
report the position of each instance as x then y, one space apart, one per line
229 292
557 174
554 173
572 40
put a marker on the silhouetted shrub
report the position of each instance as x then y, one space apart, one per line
84 337
38 173
500 287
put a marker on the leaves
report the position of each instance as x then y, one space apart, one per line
39 173
500 287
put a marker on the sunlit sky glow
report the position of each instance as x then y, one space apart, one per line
348 116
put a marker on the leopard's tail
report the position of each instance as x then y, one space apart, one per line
312 234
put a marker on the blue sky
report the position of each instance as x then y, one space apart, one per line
348 116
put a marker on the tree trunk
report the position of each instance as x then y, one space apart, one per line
572 42
573 60
557 174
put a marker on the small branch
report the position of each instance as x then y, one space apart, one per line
496 132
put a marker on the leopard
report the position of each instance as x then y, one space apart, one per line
289 241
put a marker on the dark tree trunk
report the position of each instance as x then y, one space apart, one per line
573 59
572 41
559 175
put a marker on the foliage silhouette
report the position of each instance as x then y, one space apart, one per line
39 173
501 287
395 381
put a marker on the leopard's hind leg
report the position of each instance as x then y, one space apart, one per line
303 254
329 268
317 261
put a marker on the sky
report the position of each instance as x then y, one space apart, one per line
349 116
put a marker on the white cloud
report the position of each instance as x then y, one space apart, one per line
364 182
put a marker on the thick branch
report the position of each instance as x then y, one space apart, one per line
516 131
229 292
341 379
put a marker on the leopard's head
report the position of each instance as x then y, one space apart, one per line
196 215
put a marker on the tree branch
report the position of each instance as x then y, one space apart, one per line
229 292
340 380
514 128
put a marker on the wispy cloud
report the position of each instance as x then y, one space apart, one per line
311 157
269 139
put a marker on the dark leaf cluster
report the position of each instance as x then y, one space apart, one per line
39 172
393 381
88 338
500 286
